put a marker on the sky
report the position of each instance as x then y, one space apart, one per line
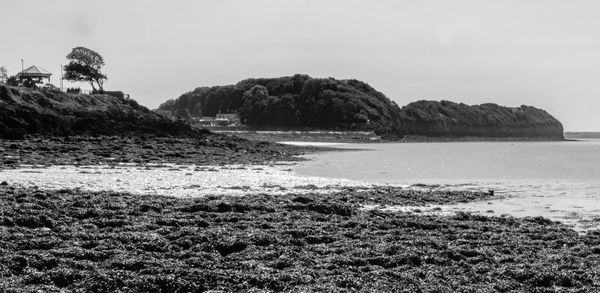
544 53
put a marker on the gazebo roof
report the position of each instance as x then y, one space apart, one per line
34 71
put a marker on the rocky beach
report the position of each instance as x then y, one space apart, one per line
203 149
105 241
320 240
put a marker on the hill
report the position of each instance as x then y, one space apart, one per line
50 112
445 118
304 102
294 101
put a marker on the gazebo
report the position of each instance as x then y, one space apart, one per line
34 74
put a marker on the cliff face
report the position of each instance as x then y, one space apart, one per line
445 118
25 111
302 101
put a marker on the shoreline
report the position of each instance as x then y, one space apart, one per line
334 136
190 181
218 149
94 150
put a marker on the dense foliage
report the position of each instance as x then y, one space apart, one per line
447 118
302 101
294 101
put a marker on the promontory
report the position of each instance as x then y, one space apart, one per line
301 101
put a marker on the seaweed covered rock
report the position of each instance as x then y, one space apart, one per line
281 243
203 148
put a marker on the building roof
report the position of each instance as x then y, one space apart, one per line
34 71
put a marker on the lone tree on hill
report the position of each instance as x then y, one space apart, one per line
84 65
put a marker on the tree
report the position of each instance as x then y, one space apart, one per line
84 65
253 104
182 113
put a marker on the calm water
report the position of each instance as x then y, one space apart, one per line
559 180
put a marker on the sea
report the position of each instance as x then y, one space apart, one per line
558 180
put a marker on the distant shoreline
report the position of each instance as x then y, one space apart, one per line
582 135
277 135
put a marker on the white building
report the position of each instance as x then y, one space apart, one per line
232 117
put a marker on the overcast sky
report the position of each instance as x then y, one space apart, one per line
543 53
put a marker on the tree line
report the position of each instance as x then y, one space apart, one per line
300 101
292 101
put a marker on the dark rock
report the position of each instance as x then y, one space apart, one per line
318 239
228 248
302 199
64 277
325 208
33 221
224 207
18 264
